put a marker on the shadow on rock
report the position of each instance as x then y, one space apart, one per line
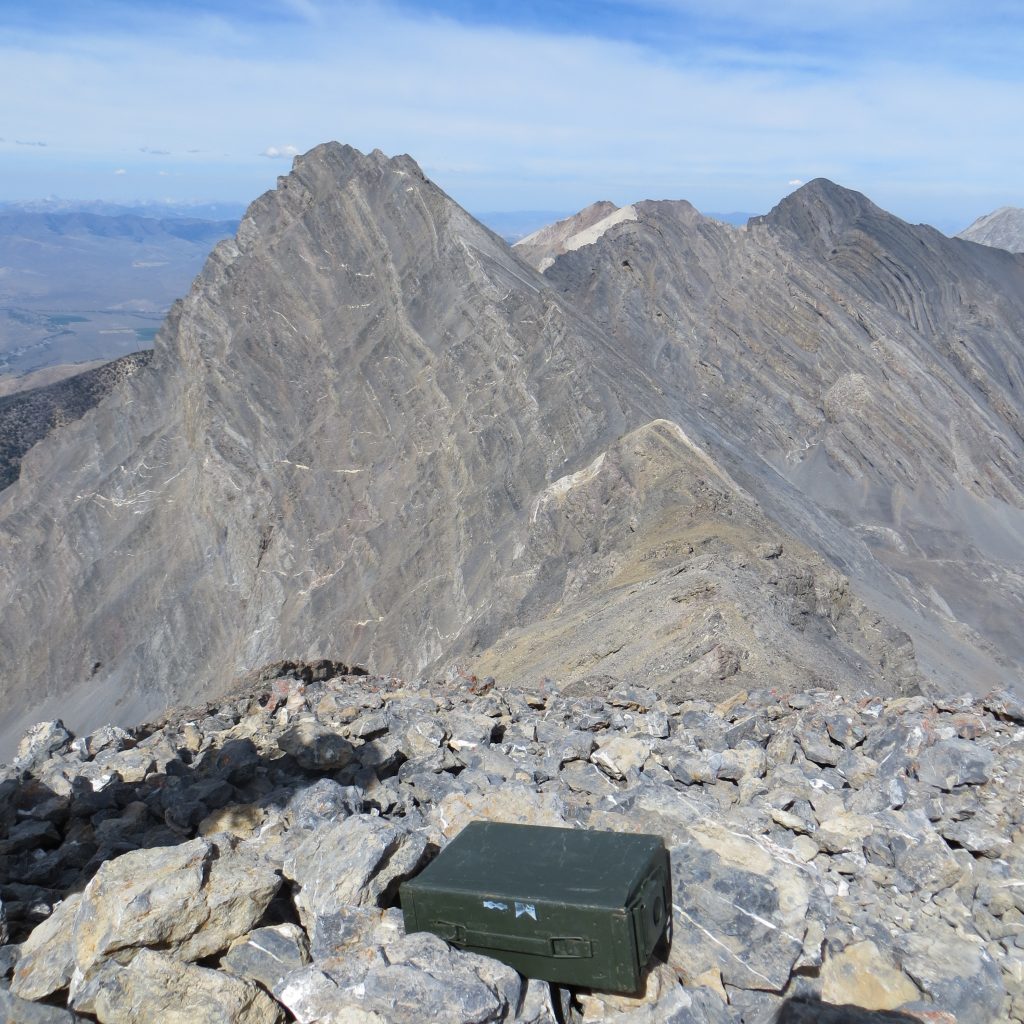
247 763
813 1011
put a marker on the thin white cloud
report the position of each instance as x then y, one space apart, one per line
120 170
795 181
480 107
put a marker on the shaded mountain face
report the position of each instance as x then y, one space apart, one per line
27 416
371 428
1002 229
862 379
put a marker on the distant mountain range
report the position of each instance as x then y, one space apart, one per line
703 457
81 285
155 209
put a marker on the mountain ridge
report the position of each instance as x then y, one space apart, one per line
349 424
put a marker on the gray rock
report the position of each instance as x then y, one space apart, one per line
155 986
1005 704
322 802
355 862
816 743
193 899
41 742
738 909
315 747
955 762
957 974
46 959
348 929
14 1010
268 955
424 979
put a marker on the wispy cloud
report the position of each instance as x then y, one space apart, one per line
540 105
120 171
154 152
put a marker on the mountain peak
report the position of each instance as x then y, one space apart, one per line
1002 229
821 208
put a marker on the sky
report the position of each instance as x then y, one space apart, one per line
533 104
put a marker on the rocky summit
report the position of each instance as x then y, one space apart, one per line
704 457
832 860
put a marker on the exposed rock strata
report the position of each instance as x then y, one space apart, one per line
861 378
817 855
370 427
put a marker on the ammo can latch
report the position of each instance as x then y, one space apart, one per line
562 947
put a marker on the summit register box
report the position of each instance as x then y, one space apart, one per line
567 905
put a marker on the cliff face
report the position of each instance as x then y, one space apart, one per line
370 427
27 416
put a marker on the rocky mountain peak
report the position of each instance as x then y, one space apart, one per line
819 210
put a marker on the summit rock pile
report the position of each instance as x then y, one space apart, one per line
240 861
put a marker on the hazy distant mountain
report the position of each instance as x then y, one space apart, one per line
542 247
736 219
154 208
703 457
1003 229
79 286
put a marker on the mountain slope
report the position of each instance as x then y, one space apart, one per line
351 439
1003 229
26 417
862 378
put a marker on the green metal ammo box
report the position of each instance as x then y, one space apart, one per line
566 905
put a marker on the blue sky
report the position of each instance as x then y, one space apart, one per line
539 104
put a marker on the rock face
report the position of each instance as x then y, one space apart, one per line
822 869
1002 229
370 427
861 379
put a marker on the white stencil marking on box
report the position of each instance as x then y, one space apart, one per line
494 905
526 908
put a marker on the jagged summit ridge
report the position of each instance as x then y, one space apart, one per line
861 377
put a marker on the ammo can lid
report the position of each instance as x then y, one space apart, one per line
581 867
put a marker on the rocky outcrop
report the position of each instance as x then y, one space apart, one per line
1002 229
832 860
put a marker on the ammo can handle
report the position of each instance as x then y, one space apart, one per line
560 947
